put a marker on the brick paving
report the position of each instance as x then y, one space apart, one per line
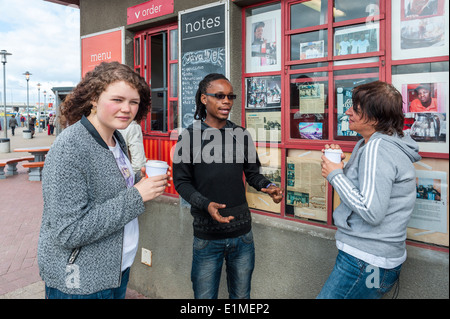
20 219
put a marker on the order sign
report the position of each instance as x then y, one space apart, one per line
149 10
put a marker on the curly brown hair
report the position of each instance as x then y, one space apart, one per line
95 82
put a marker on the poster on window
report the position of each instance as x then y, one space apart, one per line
430 210
357 40
263 92
424 28
306 189
264 126
263 42
425 105
312 50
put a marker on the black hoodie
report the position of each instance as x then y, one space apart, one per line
209 165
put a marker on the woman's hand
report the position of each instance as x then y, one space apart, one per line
154 186
327 165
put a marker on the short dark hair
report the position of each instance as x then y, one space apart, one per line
259 25
381 102
200 111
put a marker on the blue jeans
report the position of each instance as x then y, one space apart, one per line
114 293
353 278
207 261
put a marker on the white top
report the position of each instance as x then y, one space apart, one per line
381 262
131 231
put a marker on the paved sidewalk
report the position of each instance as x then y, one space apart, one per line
20 219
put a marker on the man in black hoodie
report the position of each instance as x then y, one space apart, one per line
210 159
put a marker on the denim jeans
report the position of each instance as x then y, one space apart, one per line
353 278
207 261
114 293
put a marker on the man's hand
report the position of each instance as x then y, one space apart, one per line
213 210
275 192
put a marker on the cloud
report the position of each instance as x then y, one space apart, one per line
44 39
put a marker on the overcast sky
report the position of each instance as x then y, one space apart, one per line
44 39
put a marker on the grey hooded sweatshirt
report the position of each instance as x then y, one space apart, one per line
377 189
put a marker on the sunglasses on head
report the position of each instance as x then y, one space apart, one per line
222 96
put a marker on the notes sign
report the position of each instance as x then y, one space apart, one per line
203 50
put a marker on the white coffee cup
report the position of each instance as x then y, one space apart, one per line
333 155
155 168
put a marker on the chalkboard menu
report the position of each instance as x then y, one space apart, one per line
202 51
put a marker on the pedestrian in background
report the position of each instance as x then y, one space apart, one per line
31 125
51 124
89 232
135 142
13 124
377 189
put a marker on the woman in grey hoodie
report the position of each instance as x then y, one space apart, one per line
377 189
92 198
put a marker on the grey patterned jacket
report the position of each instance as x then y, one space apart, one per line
86 206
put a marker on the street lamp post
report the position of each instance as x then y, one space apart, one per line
27 76
3 53
39 106
45 95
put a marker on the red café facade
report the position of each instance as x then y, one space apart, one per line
294 90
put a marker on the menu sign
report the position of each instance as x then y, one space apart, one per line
202 51
101 47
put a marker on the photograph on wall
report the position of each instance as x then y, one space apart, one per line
263 92
357 40
263 39
425 105
310 131
305 187
312 50
423 26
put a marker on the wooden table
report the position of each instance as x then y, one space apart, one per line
38 152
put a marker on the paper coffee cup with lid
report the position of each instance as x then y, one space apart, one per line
155 168
333 155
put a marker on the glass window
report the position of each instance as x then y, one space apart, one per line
308 116
309 14
173 44
137 50
344 82
351 9
310 45
173 80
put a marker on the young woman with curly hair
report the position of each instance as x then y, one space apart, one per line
92 198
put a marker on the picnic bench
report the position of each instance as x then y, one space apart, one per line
35 173
12 166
